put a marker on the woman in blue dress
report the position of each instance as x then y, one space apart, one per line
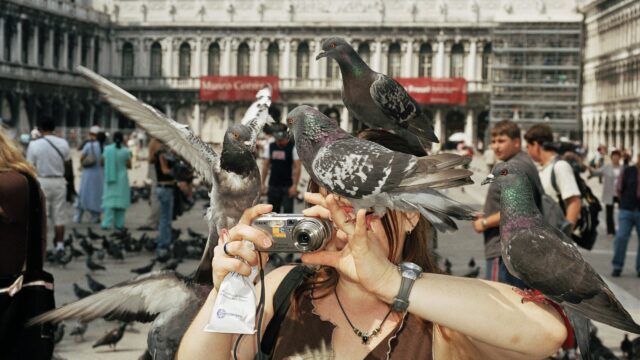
117 193
90 194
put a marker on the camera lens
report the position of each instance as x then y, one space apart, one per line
303 239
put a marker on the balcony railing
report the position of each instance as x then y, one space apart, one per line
41 74
66 8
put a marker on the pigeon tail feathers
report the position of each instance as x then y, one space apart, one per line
606 309
437 208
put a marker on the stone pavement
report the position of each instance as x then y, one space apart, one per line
458 247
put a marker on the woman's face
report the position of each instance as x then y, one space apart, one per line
375 233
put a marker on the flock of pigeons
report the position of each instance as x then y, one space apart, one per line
365 173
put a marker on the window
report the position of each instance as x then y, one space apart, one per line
365 52
425 61
213 64
184 62
85 50
26 32
333 70
8 35
42 42
71 51
57 44
244 64
273 59
127 59
302 61
457 61
486 62
156 60
393 68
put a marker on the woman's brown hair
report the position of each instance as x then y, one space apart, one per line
11 158
416 245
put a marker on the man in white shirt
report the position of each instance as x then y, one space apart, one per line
48 154
539 139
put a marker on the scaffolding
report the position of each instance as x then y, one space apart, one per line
536 75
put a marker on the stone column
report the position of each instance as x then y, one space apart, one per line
16 51
345 122
226 115
377 55
196 56
438 129
625 133
470 73
168 110
2 21
90 51
285 112
262 68
619 131
439 68
446 60
64 52
254 57
293 60
233 57
197 121
384 57
407 50
167 51
469 129
315 47
77 56
285 57
35 39
225 55
48 51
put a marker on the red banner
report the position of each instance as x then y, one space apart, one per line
436 91
236 88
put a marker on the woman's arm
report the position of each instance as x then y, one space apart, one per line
491 314
164 164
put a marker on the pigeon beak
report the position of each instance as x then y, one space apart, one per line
321 55
490 178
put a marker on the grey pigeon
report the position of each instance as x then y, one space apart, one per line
370 175
144 269
79 330
80 292
546 259
169 301
93 266
378 100
112 337
94 285
233 175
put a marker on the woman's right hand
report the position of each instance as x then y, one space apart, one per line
241 256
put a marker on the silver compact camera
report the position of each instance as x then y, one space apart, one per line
294 233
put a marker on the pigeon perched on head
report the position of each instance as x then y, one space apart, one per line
546 259
233 175
376 99
372 176
165 298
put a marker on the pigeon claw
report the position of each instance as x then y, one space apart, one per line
529 295
348 213
369 219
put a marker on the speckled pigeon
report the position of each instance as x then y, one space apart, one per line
370 175
378 100
546 259
234 175
162 297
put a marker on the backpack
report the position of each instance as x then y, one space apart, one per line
586 230
554 215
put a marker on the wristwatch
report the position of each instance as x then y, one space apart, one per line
410 272
484 224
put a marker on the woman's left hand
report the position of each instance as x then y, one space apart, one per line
355 252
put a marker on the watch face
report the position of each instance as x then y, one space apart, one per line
411 267
409 274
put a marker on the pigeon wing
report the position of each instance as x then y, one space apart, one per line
140 299
355 168
394 101
257 115
177 136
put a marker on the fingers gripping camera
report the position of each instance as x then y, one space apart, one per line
294 233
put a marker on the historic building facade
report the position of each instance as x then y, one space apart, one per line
159 49
611 94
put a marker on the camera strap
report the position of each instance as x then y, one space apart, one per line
281 304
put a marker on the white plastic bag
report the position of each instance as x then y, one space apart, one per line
234 311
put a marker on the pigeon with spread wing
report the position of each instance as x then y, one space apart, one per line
234 175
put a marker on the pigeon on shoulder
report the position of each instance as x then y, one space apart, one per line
378 100
546 259
372 176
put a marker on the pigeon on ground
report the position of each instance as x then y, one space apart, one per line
447 266
370 175
378 100
80 292
58 334
144 269
473 273
546 259
472 263
233 175
165 298
94 285
112 337
78 331
92 235
626 347
64 257
172 264
94 266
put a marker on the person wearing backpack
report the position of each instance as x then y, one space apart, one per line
506 144
539 146
628 190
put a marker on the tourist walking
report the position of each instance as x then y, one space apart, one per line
628 217
166 184
117 194
610 172
91 184
48 154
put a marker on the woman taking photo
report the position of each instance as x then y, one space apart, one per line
345 309
117 194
